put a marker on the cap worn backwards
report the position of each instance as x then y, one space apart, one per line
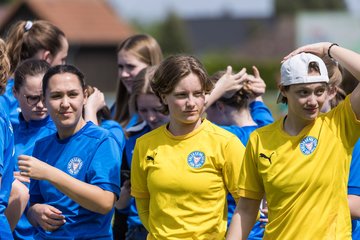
295 70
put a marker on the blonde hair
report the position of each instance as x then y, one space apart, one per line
335 80
141 85
4 66
147 50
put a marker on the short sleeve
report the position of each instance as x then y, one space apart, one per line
261 113
234 153
104 169
139 188
34 189
250 181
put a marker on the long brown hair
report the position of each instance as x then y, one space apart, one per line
4 66
26 38
147 50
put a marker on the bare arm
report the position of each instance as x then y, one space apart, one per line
124 197
18 200
354 204
142 205
243 219
88 196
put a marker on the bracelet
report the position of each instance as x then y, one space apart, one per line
328 51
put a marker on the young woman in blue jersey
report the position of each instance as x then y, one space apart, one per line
31 39
34 123
187 164
302 161
7 161
75 172
241 114
144 102
134 54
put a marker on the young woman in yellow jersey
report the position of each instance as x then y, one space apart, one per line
182 171
301 162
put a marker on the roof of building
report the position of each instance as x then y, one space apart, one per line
83 21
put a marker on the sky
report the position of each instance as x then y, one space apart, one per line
154 10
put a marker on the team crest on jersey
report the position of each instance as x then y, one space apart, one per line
74 165
196 159
308 145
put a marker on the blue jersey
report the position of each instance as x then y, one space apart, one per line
354 185
10 104
260 113
25 136
133 120
115 128
262 116
91 155
7 162
134 133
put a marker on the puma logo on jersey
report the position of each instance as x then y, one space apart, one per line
266 157
149 158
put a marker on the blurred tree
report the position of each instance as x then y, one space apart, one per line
172 36
4 2
290 7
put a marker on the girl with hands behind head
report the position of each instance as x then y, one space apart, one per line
301 162
72 190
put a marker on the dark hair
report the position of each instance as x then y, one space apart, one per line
175 68
147 50
29 67
62 69
5 66
239 100
24 41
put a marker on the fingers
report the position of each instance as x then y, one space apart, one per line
263 220
22 178
24 157
54 210
52 218
52 222
228 70
256 72
240 73
24 169
48 217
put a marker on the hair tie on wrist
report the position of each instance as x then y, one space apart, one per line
328 51
28 25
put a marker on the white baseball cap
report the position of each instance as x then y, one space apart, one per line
295 70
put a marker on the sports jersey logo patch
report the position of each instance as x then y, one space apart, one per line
74 165
196 159
308 145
